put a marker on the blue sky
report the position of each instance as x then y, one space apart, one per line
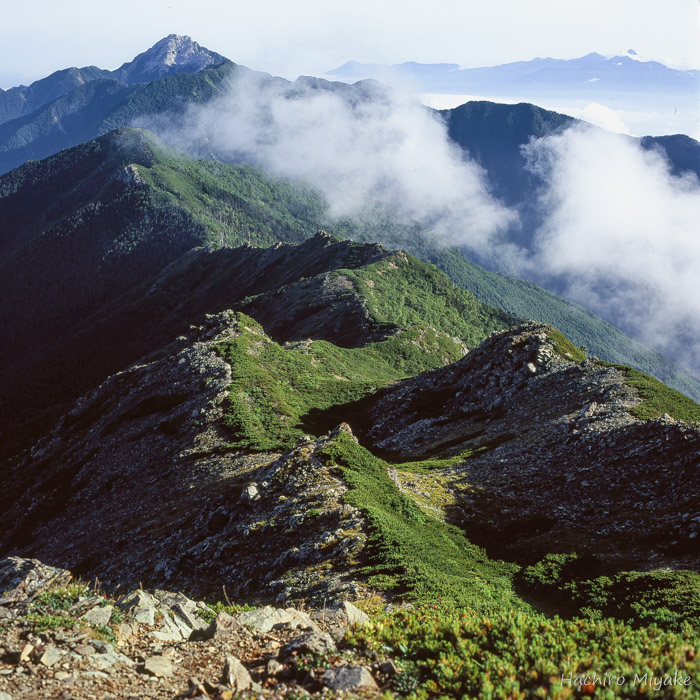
310 37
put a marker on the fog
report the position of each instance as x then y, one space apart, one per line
362 148
624 235
620 233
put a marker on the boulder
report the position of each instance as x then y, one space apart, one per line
236 675
349 678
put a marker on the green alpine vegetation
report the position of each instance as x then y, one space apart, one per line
275 388
516 655
414 555
658 398
567 584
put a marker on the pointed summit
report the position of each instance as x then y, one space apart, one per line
174 54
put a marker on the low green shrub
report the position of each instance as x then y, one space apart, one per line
669 599
450 653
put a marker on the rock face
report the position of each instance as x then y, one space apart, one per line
142 491
554 461
171 55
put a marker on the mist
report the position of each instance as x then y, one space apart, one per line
623 235
364 147
620 232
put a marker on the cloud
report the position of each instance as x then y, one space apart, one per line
622 233
362 146
619 232
603 117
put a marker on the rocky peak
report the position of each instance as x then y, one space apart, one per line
543 452
171 55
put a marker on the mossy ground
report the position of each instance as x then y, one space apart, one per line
275 388
657 397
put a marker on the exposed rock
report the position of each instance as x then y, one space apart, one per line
310 643
264 619
223 626
182 608
99 615
158 666
23 579
141 606
236 675
85 649
349 678
51 655
109 659
336 619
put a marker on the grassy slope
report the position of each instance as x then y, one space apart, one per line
239 203
275 388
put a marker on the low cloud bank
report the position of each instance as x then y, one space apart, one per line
361 147
623 234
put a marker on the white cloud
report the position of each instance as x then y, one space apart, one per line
603 117
623 234
359 149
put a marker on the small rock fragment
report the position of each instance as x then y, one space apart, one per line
236 675
388 668
273 667
310 643
347 678
84 649
223 626
158 666
51 655
99 615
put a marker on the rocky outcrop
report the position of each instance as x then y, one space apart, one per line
171 55
50 648
137 484
553 458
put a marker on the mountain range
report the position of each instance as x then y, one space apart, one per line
213 387
492 135
592 76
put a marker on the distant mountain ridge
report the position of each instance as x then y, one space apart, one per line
492 135
130 240
171 55
590 74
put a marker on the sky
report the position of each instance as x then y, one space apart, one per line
312 37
